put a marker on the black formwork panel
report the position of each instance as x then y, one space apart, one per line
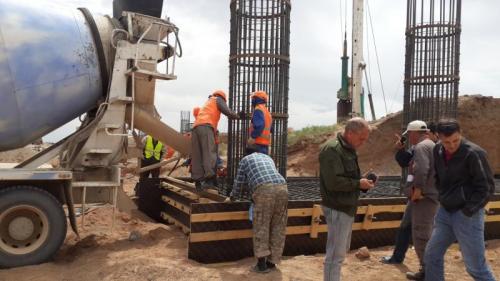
149 192
150 201
297 244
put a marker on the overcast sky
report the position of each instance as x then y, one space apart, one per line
316 42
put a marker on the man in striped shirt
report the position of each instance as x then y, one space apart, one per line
268 189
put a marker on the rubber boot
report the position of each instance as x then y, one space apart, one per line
197 184
420 275
261 266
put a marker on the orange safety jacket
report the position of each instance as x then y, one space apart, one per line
209 114
265 136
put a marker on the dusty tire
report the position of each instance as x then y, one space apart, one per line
32 226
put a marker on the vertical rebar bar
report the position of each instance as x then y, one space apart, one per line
259 60
433 30
185 121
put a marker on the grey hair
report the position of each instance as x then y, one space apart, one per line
356 125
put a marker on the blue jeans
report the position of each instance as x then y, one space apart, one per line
337 243
262 148
403 237
469 231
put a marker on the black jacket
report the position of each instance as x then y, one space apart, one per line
403 157
466 181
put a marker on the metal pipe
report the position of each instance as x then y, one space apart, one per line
151 125
157 165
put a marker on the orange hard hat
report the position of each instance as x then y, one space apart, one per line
196 110
220 93
260 94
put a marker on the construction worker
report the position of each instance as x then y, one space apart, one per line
340 186
258 173
260 130
204 149
403 236
219 163
421 190
153 151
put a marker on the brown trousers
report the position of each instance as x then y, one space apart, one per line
422 222
270 214
203 152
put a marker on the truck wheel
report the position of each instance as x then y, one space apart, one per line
32 226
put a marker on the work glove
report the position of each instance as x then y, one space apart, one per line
186 163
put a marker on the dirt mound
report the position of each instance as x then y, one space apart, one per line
479 117
17 155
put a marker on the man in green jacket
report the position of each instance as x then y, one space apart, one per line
340 185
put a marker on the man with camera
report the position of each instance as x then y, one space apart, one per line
403 237
421 191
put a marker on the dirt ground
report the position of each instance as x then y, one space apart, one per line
143 250
140 249
479 117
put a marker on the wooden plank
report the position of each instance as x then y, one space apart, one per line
243 215
367 220
157 165
376 225
205 200
181 192
176 204
381 209
190 187
290 230
315 220
493 205
227 216
303 212
213 191
220 235
170 219
240 234
492 218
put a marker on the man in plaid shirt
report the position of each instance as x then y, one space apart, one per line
270 198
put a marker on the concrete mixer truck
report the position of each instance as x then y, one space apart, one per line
57 64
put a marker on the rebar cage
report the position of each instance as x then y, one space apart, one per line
185 121
259 60
432 60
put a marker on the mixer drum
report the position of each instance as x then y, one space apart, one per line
49 70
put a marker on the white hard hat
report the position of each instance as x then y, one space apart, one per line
416 125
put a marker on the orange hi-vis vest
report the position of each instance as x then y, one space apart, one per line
209 114
265 136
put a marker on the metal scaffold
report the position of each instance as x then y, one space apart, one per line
432 59
259 60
